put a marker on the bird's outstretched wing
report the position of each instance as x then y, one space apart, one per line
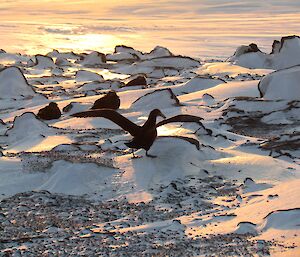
192 141
180 118
114 116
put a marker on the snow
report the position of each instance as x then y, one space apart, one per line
288 54
62 62
231 187
176 62
126 49
285 54
195 84
225 90
68 178
20 130
123 56
282 84
252 60
84 75
44 62
157 52
282 219
90 86
230 72
246 228
127 53
93 59
13 84
166 96
64 55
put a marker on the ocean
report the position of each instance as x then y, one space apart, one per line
198 28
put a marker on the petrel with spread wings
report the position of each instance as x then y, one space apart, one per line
143 136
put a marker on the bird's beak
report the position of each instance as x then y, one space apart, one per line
162 115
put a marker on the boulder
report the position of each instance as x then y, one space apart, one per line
109 101
137 81
50 112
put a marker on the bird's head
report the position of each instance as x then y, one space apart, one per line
52 104
156 113
111 92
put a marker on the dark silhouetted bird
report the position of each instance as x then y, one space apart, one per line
143 136
50 112
109 101
138 81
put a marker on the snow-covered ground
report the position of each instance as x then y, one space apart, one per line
70 186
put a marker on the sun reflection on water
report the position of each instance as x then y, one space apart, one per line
82 42
81 25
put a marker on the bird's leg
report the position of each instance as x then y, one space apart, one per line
149 155
134 156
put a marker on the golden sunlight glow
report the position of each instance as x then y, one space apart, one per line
41 145
172 130
48 143
39 26
86 41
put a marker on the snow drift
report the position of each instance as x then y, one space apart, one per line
282 84
285 54
13 84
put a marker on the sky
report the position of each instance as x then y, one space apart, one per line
201 28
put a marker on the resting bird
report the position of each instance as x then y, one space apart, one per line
143 136
49 112
109 101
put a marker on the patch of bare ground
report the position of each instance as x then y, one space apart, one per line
45 224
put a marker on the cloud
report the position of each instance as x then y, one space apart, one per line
54 30
89 29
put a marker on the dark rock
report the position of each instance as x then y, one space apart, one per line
138 81
109 101
68 107
252 48
62 62
275 46
49 112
